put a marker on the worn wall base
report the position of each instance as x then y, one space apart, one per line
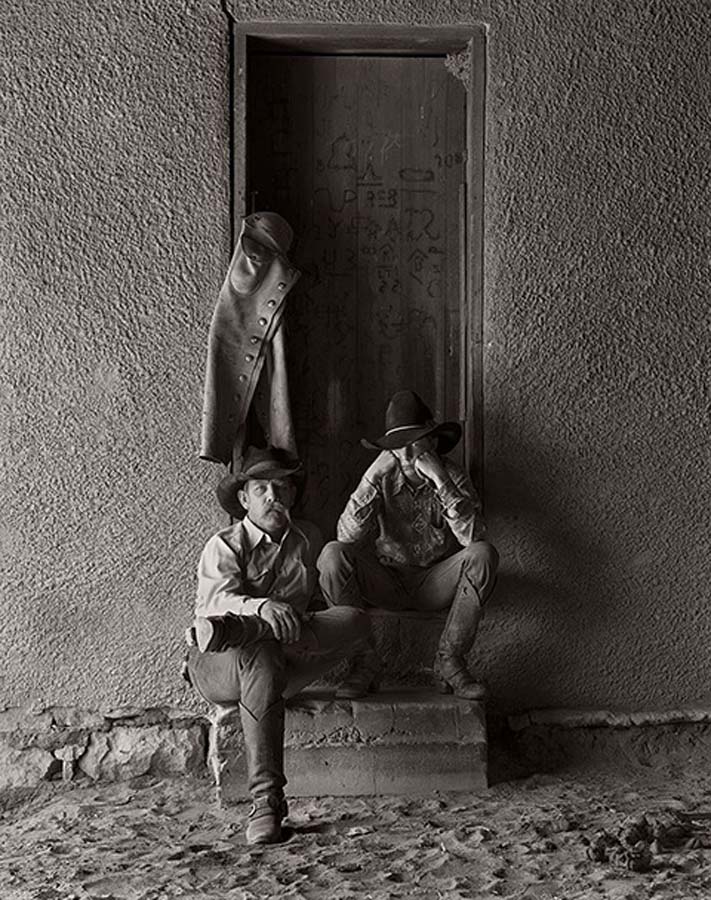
555 741
37 745
404 742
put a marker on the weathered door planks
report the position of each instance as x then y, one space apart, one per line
365 156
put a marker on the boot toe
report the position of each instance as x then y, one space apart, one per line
265 817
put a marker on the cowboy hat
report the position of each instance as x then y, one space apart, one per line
269 229
258 462
408 419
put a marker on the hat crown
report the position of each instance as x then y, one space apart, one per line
407 409
260 461
257 463
270 229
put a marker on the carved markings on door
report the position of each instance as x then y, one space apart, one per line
364 156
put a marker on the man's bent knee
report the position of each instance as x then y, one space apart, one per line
228 676
333 555
480 554
336 565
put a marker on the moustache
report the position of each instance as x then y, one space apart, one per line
276 506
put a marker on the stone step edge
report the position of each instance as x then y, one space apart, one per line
53 725
607 718
318 719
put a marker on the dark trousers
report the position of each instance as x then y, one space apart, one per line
352 576
259 676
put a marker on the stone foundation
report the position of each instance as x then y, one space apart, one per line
416 741
404 742
559 740
63 743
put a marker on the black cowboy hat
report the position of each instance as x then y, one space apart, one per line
258 462
408 419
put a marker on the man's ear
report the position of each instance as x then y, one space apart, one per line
243 497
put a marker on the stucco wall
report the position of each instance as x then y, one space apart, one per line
114 235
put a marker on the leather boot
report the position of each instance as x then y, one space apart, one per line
264 752
217 633
450 666
363 675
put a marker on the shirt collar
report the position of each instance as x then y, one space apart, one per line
255 535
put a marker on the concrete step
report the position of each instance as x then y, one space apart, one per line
395 742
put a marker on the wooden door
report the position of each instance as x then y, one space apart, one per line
365 157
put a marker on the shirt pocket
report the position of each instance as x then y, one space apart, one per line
260 578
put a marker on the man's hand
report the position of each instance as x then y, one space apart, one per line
284 620
382 463
431 467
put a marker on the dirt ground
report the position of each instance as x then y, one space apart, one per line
582 835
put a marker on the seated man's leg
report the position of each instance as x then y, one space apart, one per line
463 582
255 677
328 637
350 577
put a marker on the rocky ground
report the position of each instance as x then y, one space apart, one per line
587 834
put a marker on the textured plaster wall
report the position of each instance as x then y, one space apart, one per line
114 236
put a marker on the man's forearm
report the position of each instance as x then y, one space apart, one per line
461 512
223 603
356 519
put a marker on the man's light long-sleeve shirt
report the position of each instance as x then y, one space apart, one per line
413 526
241 566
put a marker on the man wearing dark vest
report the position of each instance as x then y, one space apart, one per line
256 641
412 536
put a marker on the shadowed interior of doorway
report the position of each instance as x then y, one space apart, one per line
365 156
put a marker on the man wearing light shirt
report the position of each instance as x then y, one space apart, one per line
256 643
412 536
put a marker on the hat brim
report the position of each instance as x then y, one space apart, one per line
228 487
448 435
263 238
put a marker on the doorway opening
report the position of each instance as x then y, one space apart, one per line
370 143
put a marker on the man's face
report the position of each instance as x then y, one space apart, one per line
268 501
407 455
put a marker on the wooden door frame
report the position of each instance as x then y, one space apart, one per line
469 43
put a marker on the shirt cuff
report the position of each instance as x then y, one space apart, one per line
251 606
365 493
